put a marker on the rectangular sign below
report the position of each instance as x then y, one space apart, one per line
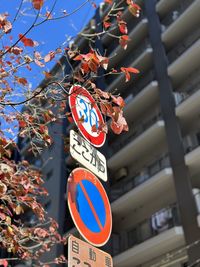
88 156
83 254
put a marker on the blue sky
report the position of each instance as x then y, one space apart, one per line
51 34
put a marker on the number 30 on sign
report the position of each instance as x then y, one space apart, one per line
83 107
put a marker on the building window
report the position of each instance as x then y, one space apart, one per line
132 237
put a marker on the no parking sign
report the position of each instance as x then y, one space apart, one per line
89 206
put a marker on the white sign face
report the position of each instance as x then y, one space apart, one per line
85 110
88 156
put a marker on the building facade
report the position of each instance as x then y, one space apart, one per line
154 169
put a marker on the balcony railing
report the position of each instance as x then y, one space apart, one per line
183 45
191 141
147 173
139 85
180 7
187 89
133 133
159 222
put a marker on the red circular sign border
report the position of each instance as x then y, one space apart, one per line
100 139
96 239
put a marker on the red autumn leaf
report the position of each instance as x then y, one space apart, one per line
22 124
43 129
8 63
122 27
49 56
21 80
127 71
79 57
85 68
108 2
41 232
94 5
106 22
123 41
118 101
103 109
102 127
37 55
94 128
103 62
26 41
47 74
92 61
2 216
39 63
107 109
133 8
69 117
118 123
28 67
5 25
121 23
37 4
16 50
101 93
3 188
117 128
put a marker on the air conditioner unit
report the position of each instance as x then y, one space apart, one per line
163 28
175 15
178 98
121 173
190 141
196 193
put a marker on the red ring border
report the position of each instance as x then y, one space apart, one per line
96 239
74 91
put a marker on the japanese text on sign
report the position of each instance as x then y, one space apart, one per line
81 253
87 155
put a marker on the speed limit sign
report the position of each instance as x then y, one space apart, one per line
85 109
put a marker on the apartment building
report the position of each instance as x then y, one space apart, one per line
154 169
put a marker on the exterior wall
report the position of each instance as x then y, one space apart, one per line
142 189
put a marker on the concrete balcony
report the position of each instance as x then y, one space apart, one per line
142 101
192 160
136 148
163 7
152 248
185 64
142 193
182 25
189 110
